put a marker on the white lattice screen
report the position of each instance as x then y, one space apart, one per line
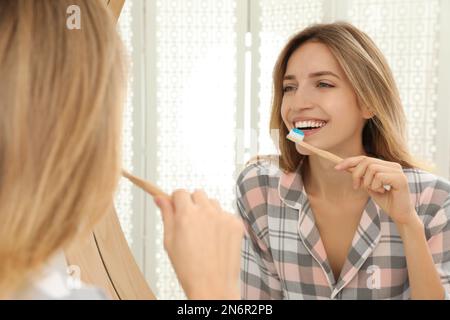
124 196
196 76
408 34
190 80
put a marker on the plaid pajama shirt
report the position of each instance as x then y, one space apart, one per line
283 256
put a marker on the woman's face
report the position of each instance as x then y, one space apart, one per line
316 93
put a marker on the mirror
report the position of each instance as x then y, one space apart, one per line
199 105
105 259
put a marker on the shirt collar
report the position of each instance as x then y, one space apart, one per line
292 192
51 282
291 189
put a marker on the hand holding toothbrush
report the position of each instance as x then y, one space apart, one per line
297 136
202 241
376 176
371 173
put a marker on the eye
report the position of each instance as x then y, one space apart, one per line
322 84
289 88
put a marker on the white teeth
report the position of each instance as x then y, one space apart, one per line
310 123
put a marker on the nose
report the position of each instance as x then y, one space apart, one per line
302 99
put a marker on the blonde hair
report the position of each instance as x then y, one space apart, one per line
61 93
384 135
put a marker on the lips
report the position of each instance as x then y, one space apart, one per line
309 132
309 125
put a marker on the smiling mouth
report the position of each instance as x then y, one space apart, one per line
310 126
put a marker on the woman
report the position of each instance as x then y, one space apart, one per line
317 231
61 94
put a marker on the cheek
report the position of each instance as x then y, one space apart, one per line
345 109
347 112
349 101
284 113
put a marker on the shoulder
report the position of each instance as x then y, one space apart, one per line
421 179
259 178
58 286
52 282
259 172
83 293
86 293
431 194
427 187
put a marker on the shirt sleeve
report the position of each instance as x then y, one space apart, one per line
259 278
438 234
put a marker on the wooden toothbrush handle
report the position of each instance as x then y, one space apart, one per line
330 156
145 185
324 154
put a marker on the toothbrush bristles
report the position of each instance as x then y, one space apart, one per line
296 135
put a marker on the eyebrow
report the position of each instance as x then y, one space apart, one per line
312 75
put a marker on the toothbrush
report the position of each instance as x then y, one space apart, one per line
145 185
297 136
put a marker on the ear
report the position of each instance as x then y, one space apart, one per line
366 113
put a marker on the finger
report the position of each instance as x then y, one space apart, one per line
167 212
373 193
199 197
359 172
349 162
377 190
390 164
215 204
372 170
380 190
235 242
222 241
377 183
354 161
181 200
392 179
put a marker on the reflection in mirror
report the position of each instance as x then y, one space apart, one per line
199 98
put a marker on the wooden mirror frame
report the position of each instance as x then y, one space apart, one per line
105 259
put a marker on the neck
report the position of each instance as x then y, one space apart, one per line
322 181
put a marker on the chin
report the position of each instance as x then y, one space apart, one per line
303 151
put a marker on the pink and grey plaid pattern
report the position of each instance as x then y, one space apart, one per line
283 256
